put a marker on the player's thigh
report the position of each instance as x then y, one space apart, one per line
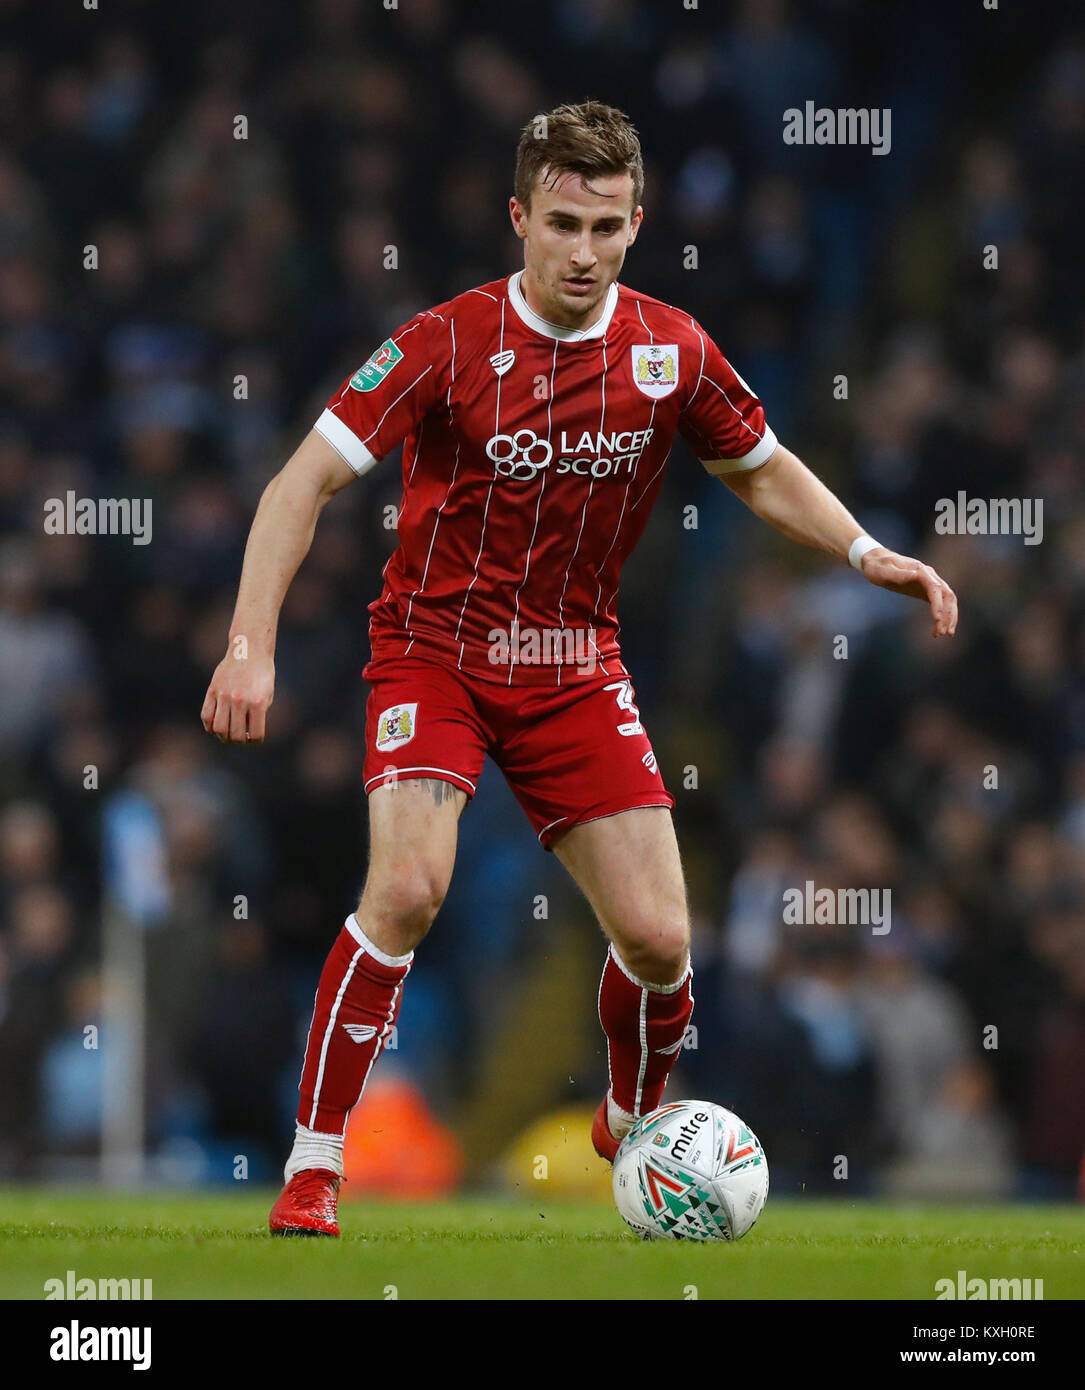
424 751
629 868
413 831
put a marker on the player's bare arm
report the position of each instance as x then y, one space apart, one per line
243 685
785 493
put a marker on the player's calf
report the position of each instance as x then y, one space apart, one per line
412 847
356 1006
645 1024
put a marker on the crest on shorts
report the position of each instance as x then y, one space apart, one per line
396 726
373 372
655 368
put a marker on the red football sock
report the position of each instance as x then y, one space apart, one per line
645 1025
357 1002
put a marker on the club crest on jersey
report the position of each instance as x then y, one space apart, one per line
655 368
502 361
396 726
373 372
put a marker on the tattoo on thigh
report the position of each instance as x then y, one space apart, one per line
440 791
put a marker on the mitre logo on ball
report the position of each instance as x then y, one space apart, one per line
396 726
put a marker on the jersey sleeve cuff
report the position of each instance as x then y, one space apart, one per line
761 452
345 442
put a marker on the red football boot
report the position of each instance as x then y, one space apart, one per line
307 1205
606 1146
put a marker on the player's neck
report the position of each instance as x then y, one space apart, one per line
554 314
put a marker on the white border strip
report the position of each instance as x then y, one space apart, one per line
393 773
647 984
642 1031
606 815
345 442
360 937
761 452
554 330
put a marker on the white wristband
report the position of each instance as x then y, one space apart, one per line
859 547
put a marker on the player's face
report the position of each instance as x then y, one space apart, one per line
575 239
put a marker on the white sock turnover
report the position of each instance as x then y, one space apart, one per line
620 1121
314 1150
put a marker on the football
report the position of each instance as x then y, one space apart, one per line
690 1171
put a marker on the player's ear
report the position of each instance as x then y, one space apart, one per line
519 217
634 224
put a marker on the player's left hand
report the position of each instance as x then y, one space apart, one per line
904 575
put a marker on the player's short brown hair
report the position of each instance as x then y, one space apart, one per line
590 139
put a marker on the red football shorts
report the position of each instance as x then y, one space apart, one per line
572 753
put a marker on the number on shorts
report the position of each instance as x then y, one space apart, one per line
624 697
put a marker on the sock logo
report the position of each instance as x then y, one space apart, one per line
359 1032
670 1051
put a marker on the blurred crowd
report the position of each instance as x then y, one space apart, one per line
177 303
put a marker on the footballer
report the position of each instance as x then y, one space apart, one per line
536 414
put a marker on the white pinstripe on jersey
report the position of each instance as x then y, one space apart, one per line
591 488
452 481
489 494
538 505
625 497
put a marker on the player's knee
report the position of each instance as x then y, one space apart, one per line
401 904
657 951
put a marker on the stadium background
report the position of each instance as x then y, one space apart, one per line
265 257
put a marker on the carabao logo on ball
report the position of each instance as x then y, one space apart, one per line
373 372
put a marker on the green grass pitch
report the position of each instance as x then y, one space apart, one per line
217 1247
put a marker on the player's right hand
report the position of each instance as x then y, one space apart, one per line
238 698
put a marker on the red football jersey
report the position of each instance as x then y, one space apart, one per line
532 457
